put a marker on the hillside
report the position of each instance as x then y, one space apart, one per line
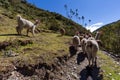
47 55
111 37
49 20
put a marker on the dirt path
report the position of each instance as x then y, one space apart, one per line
76 69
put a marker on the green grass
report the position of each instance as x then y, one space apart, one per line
47 45
111 70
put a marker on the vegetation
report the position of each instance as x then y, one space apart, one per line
46 47
111 70
111 37
49 20
74 13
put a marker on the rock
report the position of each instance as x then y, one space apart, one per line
10 53
74 67
118 73
117 63
116 55
113 79
68 77
110 74
103 71
15 76
74 75
61 72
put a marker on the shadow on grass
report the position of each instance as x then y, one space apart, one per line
72 51
12 35
59 35
91 73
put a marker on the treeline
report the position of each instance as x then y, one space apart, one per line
74 13
49 20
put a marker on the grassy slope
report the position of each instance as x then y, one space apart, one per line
47 46
111 70
111 37
51 45
49 20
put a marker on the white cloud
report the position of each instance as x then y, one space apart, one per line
94 26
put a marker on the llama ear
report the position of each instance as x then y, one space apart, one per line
37 20
18 16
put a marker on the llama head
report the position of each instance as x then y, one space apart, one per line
18 17
37 22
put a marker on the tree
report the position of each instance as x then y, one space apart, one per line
79 18
89 21
85 24
66 8
83 20
76 14
71 13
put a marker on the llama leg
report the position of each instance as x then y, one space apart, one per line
33 33
27 31
20 30
17 30
92 61
95 61
89 60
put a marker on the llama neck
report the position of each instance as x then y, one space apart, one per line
35 23
97 36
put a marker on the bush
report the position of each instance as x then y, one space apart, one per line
116 46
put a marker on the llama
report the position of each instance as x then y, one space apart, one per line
91 49
76 41
83 43
62 31
23 23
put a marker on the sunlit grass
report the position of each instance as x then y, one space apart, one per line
43 42
47 45
111 70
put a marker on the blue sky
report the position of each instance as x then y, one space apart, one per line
100 12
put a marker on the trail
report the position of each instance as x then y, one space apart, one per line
76 69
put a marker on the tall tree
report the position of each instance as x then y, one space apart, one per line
89 22
71 13
85 24
79 18
76 13
66 8
83 20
